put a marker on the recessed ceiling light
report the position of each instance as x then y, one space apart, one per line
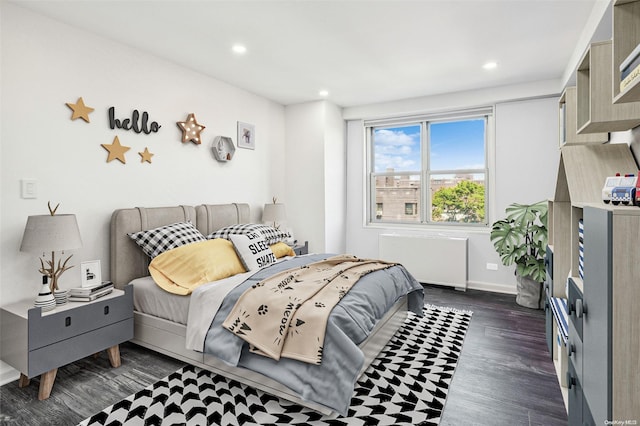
490 65
323 93
239 49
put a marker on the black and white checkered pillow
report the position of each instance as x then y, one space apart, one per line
271 234
158 240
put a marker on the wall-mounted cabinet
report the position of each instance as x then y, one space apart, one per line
568 122
626 37
596 111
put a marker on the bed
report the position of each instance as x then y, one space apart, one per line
161 318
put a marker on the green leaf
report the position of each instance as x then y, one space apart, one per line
521 238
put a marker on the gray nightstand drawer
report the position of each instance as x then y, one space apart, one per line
70 350
60 326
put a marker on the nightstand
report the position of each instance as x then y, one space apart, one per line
37 343
300 249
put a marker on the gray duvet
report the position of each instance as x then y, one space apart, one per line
331 383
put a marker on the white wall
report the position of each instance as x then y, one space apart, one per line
526 159
316 173
305 173
46 64
335 159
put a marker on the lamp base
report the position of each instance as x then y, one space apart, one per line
45 300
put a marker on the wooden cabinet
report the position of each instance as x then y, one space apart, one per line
597 271
596 111
581 174
626 36
568 122
37 343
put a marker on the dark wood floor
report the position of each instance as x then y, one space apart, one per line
505 375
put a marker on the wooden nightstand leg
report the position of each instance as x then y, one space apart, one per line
46 383
23 381
114 355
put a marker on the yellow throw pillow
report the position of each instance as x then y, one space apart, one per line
282 249
182 269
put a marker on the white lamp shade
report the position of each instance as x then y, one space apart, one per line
44 233
274 212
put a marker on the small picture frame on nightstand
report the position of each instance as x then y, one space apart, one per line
90 273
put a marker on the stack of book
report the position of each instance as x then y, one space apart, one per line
630 69
87 294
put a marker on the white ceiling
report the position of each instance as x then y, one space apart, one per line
360 51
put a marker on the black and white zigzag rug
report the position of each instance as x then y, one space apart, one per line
406 385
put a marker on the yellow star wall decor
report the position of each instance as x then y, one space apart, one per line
146 155
80 110
116 151
191 129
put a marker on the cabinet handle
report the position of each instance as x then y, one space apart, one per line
571 349
570 380
570 308
106 310
580 311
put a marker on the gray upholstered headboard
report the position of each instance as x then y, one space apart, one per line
129 262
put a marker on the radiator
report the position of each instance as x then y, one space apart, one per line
430 259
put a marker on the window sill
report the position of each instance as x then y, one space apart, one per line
430 228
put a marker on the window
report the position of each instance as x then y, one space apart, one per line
429 170
410 209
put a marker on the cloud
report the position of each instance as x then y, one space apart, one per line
396 138
397 149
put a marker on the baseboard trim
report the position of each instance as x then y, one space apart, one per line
492 287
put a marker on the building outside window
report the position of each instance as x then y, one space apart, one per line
429 170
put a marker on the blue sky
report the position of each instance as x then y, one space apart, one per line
454 145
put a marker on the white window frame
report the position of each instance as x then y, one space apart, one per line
424 204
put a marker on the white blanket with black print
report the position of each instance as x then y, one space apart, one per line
286 314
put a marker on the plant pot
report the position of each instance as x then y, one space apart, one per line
529 292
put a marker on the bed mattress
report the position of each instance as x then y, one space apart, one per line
149 298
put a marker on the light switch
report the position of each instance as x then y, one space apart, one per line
29 188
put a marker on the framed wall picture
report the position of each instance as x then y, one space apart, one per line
246 135
91 273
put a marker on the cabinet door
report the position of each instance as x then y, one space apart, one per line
597 312
575 396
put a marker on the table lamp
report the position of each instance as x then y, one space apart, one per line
274 212
52 232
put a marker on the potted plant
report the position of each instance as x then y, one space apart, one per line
521 239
